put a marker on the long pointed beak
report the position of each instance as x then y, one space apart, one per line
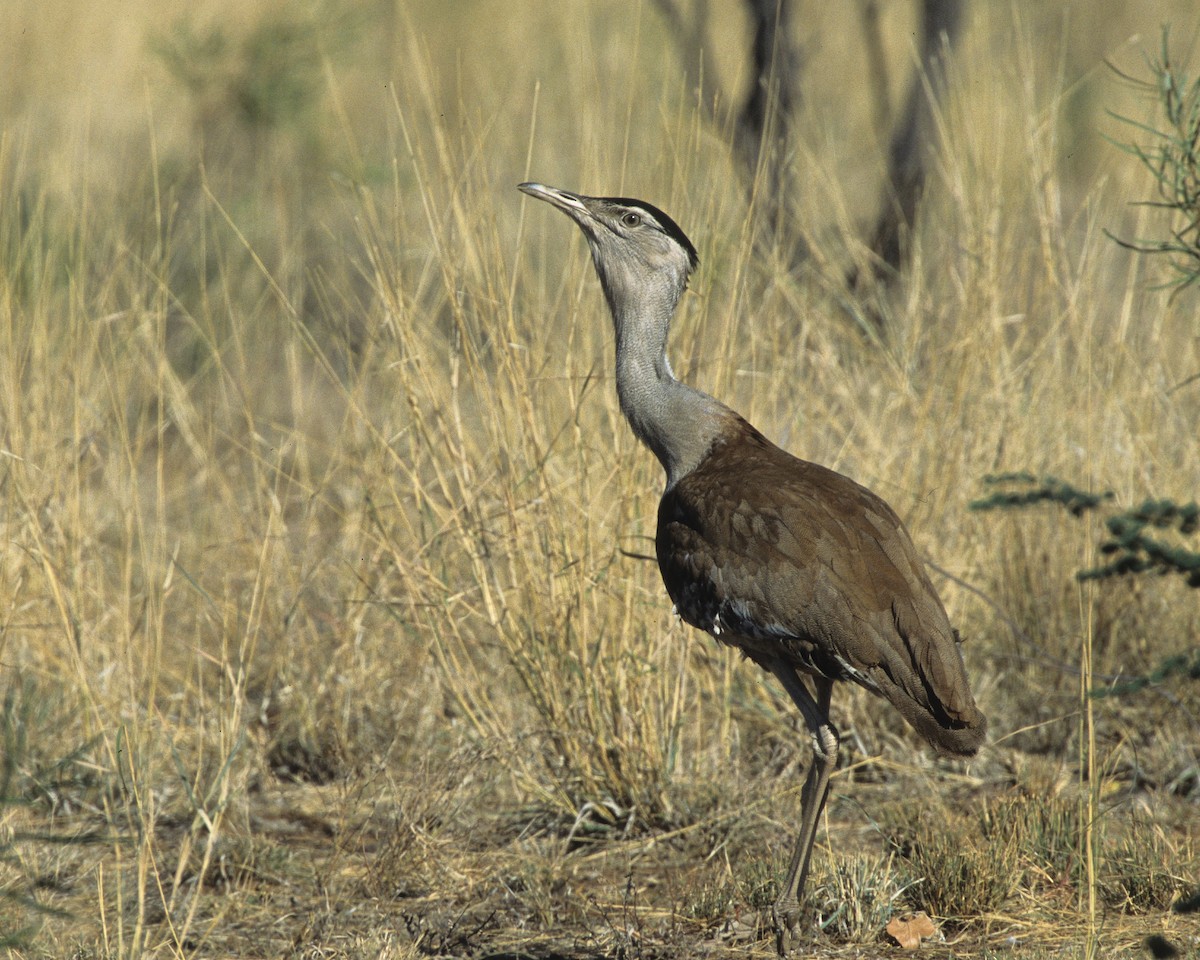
569 203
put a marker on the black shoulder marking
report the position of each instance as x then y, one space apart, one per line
671 228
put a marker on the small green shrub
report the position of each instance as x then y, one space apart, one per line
1172 156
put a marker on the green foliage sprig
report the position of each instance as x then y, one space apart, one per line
1029 490
1182 664
1133 550
1173 157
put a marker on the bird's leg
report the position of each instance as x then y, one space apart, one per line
812 797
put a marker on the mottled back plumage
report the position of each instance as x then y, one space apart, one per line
782 557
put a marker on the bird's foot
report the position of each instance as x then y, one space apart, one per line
787 926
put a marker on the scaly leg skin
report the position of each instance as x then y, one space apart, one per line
812 800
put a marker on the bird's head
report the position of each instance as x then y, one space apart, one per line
638 250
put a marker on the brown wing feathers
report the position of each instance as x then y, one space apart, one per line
780 556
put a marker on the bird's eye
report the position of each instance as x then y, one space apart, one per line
631 219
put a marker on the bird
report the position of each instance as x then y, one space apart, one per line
809 574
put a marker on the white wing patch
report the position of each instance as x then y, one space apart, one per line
857 675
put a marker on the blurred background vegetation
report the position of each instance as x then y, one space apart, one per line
323 592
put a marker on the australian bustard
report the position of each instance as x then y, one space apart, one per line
802 569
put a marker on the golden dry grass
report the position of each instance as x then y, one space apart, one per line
324 630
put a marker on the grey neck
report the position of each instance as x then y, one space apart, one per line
677 422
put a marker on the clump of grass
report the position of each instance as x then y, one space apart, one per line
857 894
955 878
412 852
34 724
753 885
957 867
36 717
962 866
1141 871
308 738
1045 830
712 901
538 887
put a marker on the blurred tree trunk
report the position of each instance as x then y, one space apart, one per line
914 137
764 125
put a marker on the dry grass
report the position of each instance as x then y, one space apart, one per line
324 630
